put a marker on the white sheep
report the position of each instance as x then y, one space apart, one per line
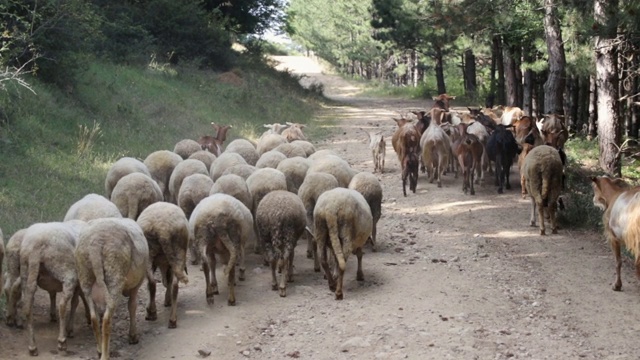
291 149
312 187
182 170
92 206
378 147
274 128
112 258
194 188
161 164
245 149
295 170
319 154
308 147
124 166
235 186
260 183
242 170
281 221
294 132
186 147
343 224
134 192
543 175
221 225
206 157
369 186
335 166
223 162
13 286
270 159
269 142
47 261
166 229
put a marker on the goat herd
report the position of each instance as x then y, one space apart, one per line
199 201
196 201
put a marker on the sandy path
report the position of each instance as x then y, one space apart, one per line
455 277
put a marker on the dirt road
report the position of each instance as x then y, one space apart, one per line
456 277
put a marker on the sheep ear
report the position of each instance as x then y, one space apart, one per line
268 126
288 123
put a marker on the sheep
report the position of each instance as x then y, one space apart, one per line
619 202
221 224
543 175
47 261
112 257
166 229
269 142
526 148
274 128
13 286
92 206
134 193
321 154
124 166
223 162
194 188
308 147
270 159
312 187
343 223
290 150
281 221
245 149
335 166
186 147
161 164
260 183
369 186
294 132
242 170
378 147
184 169
294 169
206 157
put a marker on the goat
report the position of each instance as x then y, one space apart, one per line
468 150
442 101
436 147
214 144
406 143
378 146
620 218
294 132
502 149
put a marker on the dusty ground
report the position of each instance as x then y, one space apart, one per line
455 277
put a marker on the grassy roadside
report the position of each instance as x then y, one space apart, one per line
57 146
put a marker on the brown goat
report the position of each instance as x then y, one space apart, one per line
214 144
442 101
468 150
621 218
406 143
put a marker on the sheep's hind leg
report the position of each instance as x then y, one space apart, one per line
615 246
359 273
68 291
152 312
132 305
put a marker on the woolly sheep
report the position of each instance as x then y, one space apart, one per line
260 183
235 186
294 169
221 224
308 147
270 159
294 132
186 147
13 287
92 206
134 193
312 187
290 150
274 128
269 142
223 162
321 154
335 166
47 261
167 231
369 186
343 223
194 188
124 166
206 157
161 164
112 258
184 169
281 221
242 170
543 175
245 149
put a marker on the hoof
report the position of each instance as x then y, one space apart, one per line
542 232
173 324
283 292
167 304
53 318
472 192
554 231
339 296
151 316
70 333
62 345
33 352
360 277
439 185
309 255
210 300
332 287
12 322
500 191
134 339
274 287
231 302
316 269
216 291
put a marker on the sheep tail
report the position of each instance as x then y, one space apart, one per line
233 254
336 245
99 292
544 193
177 267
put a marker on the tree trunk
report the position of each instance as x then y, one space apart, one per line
470 83
583 106
593 111
491 97
527 86
414 68
518 62
571 104
635 109
609 134
510 75
554 86
500 93
440 70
